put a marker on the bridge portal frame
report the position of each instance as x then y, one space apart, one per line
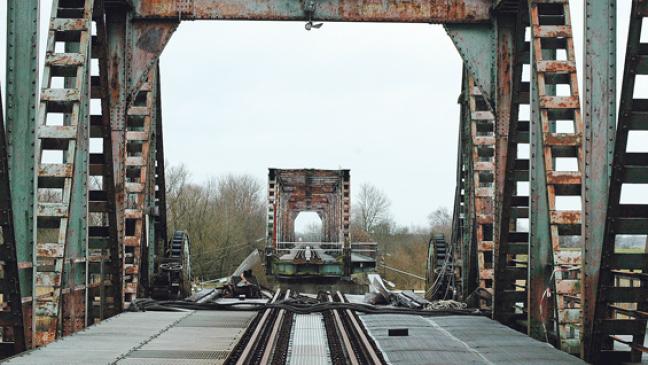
483 31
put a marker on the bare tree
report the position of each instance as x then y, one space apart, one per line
441 222
224 218
371 208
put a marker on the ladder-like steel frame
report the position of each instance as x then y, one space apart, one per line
482 135
139 120
621 308
61 177
161 240
456 240
556 133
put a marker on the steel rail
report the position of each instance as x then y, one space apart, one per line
248 351
366 345
274 334
346 340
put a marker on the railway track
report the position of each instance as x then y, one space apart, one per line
279 337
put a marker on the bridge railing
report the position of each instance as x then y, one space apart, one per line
306 249
369 249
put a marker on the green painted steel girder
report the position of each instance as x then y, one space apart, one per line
540 284
599 116
76 245
477 45
22 104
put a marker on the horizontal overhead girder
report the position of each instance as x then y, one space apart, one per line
412 11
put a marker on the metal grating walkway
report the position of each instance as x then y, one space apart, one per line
142 338
458 340
308 342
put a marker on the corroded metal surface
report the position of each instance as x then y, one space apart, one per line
511 246
558 129
326 192
60 198
482 133
136 157
431 11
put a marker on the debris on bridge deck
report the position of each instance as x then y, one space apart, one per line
205 337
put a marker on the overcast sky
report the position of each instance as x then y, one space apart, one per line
379 99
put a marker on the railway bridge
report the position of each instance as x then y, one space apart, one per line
81 230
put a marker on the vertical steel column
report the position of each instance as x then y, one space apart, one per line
616 333
104 268
540 262
151 210
12 330
271 219
600 123
160 179
458 220
511 255
116 18
506 36
22 101
470 279
345 220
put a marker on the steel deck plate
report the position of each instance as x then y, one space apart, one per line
458 340
191 337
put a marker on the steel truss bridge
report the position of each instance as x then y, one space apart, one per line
81 230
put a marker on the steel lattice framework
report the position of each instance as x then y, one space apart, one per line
81 229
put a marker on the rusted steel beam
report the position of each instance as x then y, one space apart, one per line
554 280
146 43
415 11
160 180
458 219
477 45
469 271
104 263
508 274
136 154
599 109
117 70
